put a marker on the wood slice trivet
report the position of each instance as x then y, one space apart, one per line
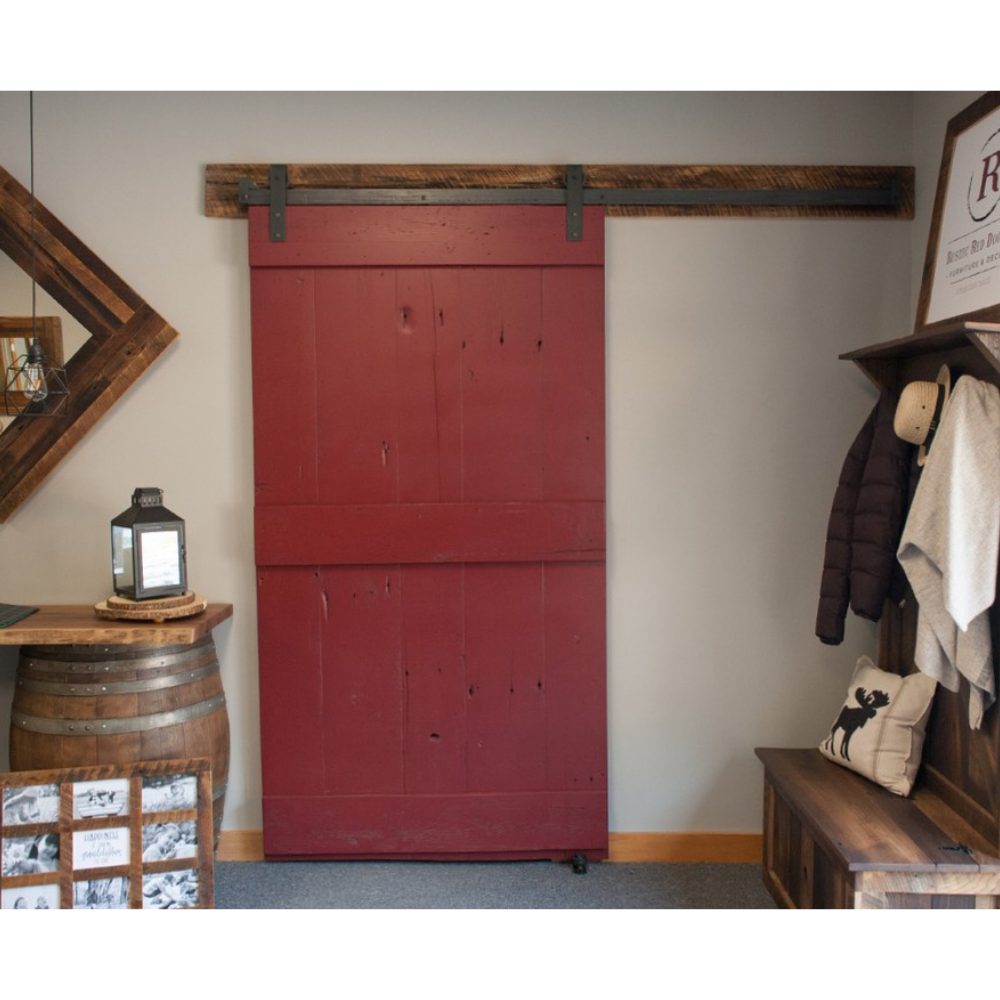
155 610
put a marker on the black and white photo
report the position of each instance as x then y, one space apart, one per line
34 897
101 894
166 841
30 855
31 804
164 792
92 799
170 890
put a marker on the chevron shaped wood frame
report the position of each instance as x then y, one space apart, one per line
126 336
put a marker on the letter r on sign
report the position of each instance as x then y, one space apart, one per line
990 166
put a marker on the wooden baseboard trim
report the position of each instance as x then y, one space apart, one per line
678 848
240 845
719 848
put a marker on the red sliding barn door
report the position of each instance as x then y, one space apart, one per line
429 453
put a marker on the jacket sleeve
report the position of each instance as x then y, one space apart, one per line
835 583
879 514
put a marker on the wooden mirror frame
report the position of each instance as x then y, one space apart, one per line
126 336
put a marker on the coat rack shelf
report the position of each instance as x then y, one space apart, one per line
972 348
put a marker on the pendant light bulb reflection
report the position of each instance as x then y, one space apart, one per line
32 387
34 373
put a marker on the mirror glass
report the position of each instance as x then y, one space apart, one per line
60 334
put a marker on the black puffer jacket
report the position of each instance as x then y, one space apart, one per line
866 521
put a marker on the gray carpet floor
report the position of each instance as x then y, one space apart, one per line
402 885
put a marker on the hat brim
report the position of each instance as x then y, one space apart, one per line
944 380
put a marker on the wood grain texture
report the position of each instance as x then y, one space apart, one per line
222 184
430 515
480 825
127 336
411 235
240 845
76 624
832 839
869 827
429 533
686 848
78 705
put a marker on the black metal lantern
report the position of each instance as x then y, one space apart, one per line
147 548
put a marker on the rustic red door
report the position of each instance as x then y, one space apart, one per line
429 466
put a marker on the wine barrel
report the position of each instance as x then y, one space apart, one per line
81 705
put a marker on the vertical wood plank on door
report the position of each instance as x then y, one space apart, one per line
362 699
451 333
502 413
434 679
417 444
291 692
572 353
284 386
356 412
505 649
575 642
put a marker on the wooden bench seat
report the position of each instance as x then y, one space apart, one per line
834 839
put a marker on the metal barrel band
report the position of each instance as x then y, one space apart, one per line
116 687
153 662
114 727
102 649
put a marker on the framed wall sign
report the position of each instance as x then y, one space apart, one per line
132 837
961 279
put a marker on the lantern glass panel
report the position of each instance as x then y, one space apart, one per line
122 559
160 562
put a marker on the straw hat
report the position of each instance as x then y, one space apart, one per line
920 409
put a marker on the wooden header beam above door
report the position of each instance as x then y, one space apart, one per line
647 190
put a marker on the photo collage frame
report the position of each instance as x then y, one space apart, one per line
137 836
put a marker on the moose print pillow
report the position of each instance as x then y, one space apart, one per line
880 730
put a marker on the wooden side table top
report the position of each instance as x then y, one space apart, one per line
77 624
